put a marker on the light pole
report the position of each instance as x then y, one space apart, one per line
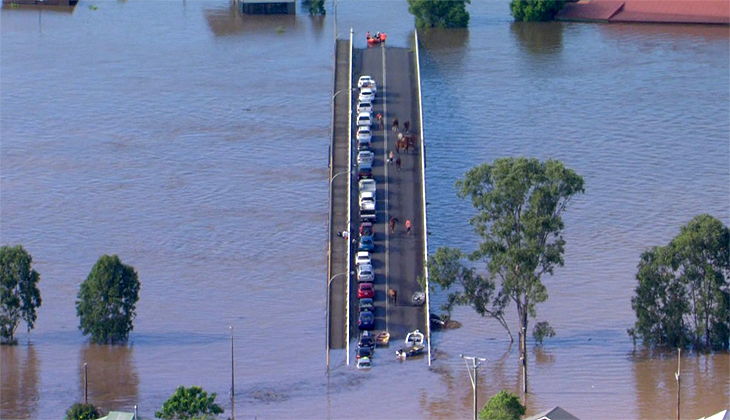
475 362
329 282
233 385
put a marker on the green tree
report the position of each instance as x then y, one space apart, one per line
541 331
107 301
439 13
316 7
519 203
189 403
80 411
503 406
19 294
535 10
683 296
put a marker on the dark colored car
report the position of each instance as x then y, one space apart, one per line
365 170
366 321
366 244
366 340
366 304
365 290
364 352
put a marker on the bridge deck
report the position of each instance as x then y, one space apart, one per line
398 258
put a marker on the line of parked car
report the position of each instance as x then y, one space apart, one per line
367 188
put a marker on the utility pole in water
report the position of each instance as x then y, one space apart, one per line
678 376
475 362
233 384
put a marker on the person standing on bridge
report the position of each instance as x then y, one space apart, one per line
397 162
408 226
390 157
406 126
395 125
379 118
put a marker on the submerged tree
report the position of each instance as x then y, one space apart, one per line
19 293
107 301
316 7
189 403
80 411
439 13
503 406
535 10
683 295
519 205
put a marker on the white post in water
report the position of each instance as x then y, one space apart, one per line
475 362
86 384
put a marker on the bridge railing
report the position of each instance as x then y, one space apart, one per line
423 195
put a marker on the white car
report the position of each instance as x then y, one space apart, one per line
367 197
364 119
365 273
366 95
365 156
364 135
364 106
364 363
364 80
363 258
367 185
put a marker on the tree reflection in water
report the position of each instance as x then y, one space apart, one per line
113 380
19 378
539 37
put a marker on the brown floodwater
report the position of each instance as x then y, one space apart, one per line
193 143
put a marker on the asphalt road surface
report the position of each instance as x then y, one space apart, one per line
398 257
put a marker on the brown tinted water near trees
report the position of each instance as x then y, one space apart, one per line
193 143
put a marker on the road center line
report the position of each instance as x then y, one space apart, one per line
387 208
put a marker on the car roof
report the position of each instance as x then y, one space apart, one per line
366 90
365 266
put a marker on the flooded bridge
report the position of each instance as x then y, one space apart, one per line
399 255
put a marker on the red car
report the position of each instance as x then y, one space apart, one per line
365 290
366 229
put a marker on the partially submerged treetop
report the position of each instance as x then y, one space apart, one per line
107 301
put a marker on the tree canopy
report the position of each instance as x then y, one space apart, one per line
439 13
316 7
535 10
107 301
683 297
519 203
189 403
19 293
503 406
81 411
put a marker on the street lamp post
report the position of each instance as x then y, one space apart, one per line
329 282
475 361
233 386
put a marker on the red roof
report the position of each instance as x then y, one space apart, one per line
666 11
